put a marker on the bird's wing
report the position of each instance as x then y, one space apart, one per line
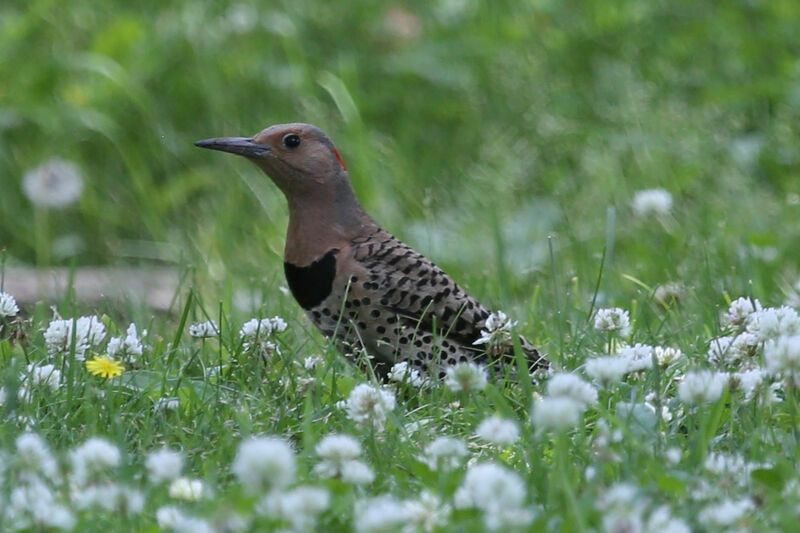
415 289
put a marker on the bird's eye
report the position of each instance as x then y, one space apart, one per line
291 140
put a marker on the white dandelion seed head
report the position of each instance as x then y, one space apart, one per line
264 463
164 465
466 377
613 319
702 386
368 405
606 370
202 330
56 183
445 453
567 385
649 202
92 459
556 413
8 305
740 309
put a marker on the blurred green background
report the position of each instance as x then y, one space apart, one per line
473 130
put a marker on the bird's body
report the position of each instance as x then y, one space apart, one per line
357 283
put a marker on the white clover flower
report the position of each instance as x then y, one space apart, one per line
740 309
673 455
35 456
40 376
782 357
730 464
498 491
661 520
56 183
264 462
613 319
497 331
623 520
427 513
257 332
130 345
94 457
368 405
666 355
729 350
566 385
747 381
639 356
356 472
606 370
102 495
33 506
402 372
167 404
725 514
498 430
702 386
300 506
339 455
557 413
648 202
89 332
183 488
444 452
8 305
335 447
770 323
164 465
379 515
173 518
466 377
255 327
669 293
311 362
202 330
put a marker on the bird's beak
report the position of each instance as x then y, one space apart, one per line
235 145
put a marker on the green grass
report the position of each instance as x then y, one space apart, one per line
503 140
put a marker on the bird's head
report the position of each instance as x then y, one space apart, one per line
296 156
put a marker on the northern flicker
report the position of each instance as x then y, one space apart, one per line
356 282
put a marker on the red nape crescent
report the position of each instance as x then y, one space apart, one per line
339 157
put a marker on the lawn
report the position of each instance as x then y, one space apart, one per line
619 177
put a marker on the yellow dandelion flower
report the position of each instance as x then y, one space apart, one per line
103 365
